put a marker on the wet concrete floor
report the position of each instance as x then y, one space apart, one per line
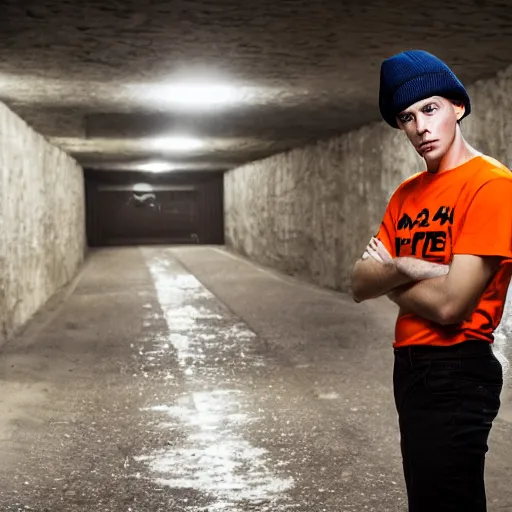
189 379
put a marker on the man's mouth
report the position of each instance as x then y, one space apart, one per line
427 145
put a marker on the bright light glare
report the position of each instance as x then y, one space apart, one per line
177 143
156 167
199 94
191 95
142 188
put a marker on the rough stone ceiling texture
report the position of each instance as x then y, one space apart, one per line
89 74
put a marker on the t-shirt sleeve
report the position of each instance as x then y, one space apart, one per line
487 226
386 233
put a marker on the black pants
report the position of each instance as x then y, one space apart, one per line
447 399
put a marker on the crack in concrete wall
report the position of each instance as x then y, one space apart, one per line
42 221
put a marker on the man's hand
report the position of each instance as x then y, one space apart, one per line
375 274
378 252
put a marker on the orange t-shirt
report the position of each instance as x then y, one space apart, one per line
465 210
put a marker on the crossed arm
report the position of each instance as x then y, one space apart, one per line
441 293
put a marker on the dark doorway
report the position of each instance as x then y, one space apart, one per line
125 208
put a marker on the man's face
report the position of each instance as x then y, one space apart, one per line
430 125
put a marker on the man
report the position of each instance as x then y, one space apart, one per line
443 254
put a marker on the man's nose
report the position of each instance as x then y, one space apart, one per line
421 125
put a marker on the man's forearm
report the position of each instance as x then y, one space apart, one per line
370 279
427 298
418 269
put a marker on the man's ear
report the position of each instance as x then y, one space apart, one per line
459 108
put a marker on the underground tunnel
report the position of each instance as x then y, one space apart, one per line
185 188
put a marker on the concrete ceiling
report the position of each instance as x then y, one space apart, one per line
113 81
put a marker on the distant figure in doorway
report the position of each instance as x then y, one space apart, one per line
443 254
143 196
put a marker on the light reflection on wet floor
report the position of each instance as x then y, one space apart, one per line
214 458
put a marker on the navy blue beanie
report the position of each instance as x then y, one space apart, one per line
412 76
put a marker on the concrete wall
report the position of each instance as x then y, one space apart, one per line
311 211
42 226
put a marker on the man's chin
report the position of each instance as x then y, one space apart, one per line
432 156
432 162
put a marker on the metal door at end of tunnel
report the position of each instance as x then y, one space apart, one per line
159 217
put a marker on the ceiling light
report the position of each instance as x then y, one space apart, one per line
156 167
177 143
200 94
191 95
142 188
